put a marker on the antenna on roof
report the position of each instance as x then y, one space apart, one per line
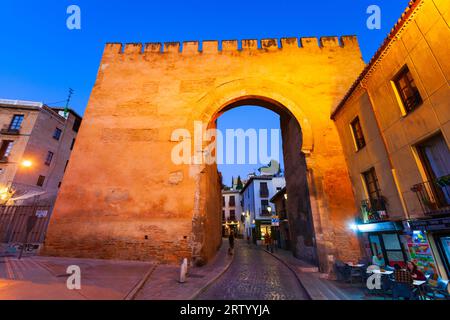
66 109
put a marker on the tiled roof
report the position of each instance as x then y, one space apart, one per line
413 4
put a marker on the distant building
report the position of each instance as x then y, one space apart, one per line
394 125
232 212
35 146
257 215
282 229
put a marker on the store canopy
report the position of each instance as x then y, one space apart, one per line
380 227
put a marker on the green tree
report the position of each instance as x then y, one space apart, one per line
239 185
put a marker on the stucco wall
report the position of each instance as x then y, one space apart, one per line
422 44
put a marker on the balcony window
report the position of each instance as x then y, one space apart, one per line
5 150
372 185
264 190
40 181
48 160
264 208
358 135
16 123
375 207
232 215
57 134
434 194
232 202
407 90
76 124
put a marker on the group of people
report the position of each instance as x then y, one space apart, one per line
403 275
404 278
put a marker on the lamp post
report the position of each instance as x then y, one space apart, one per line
27 163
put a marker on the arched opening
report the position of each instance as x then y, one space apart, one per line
298 220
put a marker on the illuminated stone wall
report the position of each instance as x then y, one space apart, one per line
124 198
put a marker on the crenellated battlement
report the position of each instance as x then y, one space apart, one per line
214 46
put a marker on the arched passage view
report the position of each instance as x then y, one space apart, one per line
246 205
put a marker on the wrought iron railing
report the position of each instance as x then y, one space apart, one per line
8 130
374 210
23 223
434 196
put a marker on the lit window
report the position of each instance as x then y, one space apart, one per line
408 93
16 122
5 149
358 135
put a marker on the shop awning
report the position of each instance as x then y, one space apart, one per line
380 226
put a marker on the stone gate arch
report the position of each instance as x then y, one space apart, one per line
124 198
300 214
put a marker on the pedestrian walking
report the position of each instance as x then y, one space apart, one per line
268 241
231 242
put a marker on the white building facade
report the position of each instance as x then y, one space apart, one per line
257 208
232 212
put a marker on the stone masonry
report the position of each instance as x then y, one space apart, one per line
124 198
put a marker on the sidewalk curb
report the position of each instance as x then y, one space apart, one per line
212 281
133 293
293 271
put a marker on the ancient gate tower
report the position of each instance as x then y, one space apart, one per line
124 198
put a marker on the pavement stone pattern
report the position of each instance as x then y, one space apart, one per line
163 284
255 275
44 278
317 284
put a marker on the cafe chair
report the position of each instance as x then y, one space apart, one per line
356 273
342 270
403 290
440 291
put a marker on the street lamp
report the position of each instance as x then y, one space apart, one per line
27 164
269 209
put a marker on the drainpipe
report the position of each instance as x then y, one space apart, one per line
391 165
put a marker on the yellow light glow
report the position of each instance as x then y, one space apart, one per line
27 163
285 196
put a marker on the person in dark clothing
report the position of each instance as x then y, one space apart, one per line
415 272
231 242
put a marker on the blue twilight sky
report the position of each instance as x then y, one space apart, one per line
40 58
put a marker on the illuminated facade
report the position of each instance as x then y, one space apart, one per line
394 125
36 143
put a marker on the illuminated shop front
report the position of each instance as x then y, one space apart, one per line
384 239
431 244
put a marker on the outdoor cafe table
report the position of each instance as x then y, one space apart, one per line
355 265
385 272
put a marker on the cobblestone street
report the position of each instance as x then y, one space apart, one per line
255 275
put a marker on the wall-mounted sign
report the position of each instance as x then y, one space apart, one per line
275 221
430 224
